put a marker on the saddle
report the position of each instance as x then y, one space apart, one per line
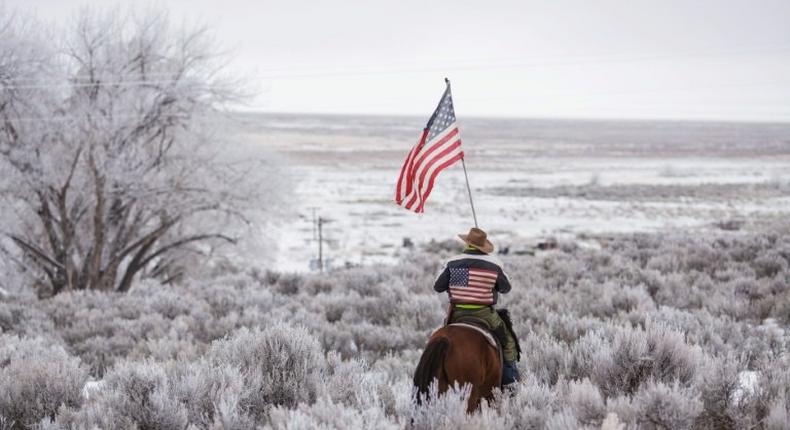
482 330
495 337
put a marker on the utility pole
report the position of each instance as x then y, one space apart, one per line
313 208
320 244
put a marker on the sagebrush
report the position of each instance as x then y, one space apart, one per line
649 331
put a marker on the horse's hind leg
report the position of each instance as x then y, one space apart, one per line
473 402
484 389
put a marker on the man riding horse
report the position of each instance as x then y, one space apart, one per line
473 280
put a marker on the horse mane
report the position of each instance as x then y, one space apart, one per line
431 361
504 314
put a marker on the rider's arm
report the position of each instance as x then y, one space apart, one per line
502 282
442 281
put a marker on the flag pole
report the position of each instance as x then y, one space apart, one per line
471 203
466 176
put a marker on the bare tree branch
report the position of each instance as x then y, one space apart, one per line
36 251
124 179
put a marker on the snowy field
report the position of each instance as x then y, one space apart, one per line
665 305
157 252
531 179
652 331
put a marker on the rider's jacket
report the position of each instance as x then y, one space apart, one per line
473 277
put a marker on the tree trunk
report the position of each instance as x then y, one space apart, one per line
95 275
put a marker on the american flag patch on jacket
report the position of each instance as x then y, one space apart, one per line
470 285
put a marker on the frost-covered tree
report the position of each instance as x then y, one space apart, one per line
109 167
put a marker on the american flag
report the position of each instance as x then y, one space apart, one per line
470 285
439 147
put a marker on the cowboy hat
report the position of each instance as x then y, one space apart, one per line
478 239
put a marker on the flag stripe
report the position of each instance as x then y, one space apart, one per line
445 158
419 166
435 145
475 287
471 290
472 299
436 172
418 191
462 291
453 157
403 179
478 301
483 272
408 167
457 293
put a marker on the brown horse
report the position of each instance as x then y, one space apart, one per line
463 355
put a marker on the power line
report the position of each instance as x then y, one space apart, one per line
517 65
471 99
66 118
578 96
96 84
373 70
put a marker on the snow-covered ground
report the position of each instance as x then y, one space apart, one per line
530 179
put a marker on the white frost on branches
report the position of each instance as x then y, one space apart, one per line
111 165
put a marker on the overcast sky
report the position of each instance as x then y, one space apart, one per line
685 59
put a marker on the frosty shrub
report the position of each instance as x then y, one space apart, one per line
624 367
723 399
586 353
661 406
23 317
327 415
672 359
769 264
546 358
532 404
398 366
659 353
778 414
170 396
448 411
137 394
564 420
281 365
289 284
587 404
352 383
36 379
211 394
649 328
762 399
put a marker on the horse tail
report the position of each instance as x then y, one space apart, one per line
431 362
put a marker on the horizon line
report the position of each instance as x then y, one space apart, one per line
771 121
